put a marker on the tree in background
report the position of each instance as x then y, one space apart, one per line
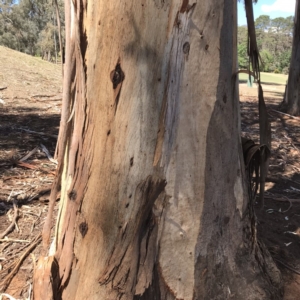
292 95
274 40
243 59
30 26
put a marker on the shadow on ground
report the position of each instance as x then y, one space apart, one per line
279 220
24 128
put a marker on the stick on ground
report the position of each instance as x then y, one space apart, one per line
13 223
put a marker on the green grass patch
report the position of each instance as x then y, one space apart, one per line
267 78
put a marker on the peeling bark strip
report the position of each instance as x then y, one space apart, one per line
264 124
135 252
253 53
74 89
46 279
76 170
64 129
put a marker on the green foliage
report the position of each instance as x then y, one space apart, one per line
30 26
267 61
262 22
243 56
274 41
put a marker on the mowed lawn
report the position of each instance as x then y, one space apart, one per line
280 79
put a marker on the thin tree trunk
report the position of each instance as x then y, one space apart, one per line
55 44
153 201
293 87
59 35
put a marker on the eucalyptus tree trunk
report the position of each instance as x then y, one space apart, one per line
293 87
153 197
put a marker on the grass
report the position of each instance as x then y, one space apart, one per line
266 78
23 74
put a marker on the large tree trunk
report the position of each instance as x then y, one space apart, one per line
153 201
293 87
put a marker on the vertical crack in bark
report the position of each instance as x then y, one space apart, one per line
170 106
130 266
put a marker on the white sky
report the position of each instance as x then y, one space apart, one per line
272 8
279 5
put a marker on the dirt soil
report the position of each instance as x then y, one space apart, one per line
30 103
279 220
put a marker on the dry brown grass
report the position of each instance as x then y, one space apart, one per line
27 75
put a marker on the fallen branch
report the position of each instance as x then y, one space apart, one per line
39 96
13 241
29 154
45 150
42 100
36 132
13 223
26 165
280 179
287 266
288 115
285 199
18 263
3 88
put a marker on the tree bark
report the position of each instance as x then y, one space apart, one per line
153 200
293 87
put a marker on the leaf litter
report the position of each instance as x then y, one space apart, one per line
29 112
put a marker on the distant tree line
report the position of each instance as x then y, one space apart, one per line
30 26
274 38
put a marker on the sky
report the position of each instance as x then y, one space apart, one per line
273 8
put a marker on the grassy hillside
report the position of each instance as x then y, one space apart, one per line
23 74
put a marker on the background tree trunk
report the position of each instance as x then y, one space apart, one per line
293 88
153 202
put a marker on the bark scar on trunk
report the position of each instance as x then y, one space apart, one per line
130 266
117 77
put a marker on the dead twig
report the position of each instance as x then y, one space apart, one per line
19 262
287 266
29 154
40 96
279 112
13 223
36 132
3 88
13 241
42 100
26 165
283 199
289 206
45 150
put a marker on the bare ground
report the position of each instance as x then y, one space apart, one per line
30 101
29 113
279 220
